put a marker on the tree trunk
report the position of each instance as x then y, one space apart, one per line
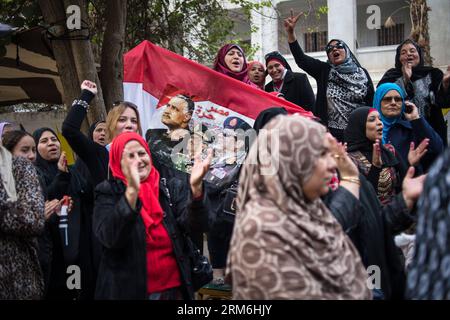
74 58
419 31
85 65
111 74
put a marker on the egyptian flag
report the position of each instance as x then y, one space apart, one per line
153 75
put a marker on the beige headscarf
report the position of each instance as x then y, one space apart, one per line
284 247
6 174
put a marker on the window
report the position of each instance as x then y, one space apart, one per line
391 36
315 41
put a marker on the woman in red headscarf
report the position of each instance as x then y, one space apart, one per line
142 222
230 60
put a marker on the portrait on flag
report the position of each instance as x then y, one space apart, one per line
187 108
194 126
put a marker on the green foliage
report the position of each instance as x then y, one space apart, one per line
194 28
20 14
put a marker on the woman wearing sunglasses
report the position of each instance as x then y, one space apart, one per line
403 127
124 117
342 84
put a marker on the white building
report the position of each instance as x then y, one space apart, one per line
347 20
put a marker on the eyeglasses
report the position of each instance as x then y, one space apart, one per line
338 45
397 99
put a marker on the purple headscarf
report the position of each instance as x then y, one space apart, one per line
221 66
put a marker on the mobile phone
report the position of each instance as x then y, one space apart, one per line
408 107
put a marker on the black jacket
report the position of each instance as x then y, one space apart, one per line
296 89
94 155
372 228
320 70
120 229
54 256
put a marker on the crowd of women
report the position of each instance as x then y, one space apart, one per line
370 167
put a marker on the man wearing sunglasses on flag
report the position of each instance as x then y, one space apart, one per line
342 84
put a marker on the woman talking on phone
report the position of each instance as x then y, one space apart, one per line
403 127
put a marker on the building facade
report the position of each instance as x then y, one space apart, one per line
355 22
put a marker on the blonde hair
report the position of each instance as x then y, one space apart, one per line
114 115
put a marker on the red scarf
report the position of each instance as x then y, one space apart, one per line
151 212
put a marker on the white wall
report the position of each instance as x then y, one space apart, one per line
439 24
368 38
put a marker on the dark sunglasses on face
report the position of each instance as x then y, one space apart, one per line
338 45
397 99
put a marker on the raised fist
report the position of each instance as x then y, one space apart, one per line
90 86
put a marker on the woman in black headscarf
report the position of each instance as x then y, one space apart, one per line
56 255
380 165
342 84
372 226
96 133
426 87
294 86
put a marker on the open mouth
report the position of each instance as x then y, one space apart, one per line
53 150
236 64
336 54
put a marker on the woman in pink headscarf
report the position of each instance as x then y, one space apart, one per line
230 60
257 73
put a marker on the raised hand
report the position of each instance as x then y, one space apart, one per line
289 25
407 71
90 86
415 154
414 111
131 173
345 165
412 187
376 154
62 162
199 170
50 208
